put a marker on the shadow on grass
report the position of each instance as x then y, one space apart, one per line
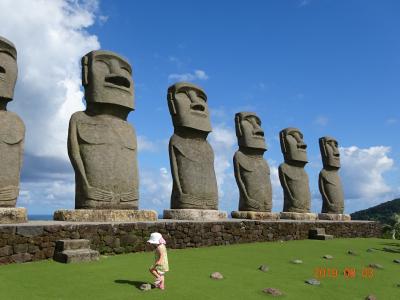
136 284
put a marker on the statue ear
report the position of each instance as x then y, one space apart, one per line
322 147
282 140
85 70
171 103
237 125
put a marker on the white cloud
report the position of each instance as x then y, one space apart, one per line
144 144
50 38
196 75
391 121
155 189
362 175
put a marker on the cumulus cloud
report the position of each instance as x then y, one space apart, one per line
155 188
196 75
362 175
51 38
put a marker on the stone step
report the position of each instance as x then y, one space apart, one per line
322 237
316 231
62 245
76 256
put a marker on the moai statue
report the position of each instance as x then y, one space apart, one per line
12 134
101 143
191 156
329 182
293 177
252 172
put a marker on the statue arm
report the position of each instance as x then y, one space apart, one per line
174 168
239 181
321 186
285 186
74 153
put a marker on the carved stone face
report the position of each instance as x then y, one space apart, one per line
248 130
107 78
188 106
329 152
292 145
8 69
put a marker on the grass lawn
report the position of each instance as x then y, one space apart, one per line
119 277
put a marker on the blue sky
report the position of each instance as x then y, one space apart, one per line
326 67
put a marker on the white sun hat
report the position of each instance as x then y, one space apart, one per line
155 238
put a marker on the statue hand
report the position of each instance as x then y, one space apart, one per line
9 193
98 194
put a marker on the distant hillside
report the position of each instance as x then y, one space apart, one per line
381 212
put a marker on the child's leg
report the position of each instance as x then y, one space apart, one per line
154 272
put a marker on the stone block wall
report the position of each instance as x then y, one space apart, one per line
36 240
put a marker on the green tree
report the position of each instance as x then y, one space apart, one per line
393 226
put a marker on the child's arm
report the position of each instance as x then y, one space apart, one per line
161 255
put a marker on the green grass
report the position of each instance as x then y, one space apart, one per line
118 277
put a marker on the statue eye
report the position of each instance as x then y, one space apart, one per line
2 70
102 67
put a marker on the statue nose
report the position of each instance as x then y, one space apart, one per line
118 80
197 103
258 132
302 145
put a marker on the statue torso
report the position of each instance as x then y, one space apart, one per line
195 163
12 133
332 186
255 175
297 183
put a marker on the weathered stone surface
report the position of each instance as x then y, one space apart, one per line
30 231
62 245
298 216
105 215
255 215
297 261
273 292
293 177
334 217
370 297
12 132
191 156
397 261
76 256
217 276
327 256
352 252
330 185
145 287
21 257
252 172
126 237
313 281
101 133
375 266
263 268
13 215
194 214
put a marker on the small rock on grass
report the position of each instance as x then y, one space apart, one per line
370 297
297 261
370 250
217 276
397 261
263 268
145 287
351 252
376 266
272 291
313 281
327 256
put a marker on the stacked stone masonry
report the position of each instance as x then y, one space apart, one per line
36 240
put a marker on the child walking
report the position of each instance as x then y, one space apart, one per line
160 265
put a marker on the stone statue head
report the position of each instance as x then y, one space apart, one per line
292 145
8 69
329 152
248 130
188 107
107 78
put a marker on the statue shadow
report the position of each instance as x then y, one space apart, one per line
134 283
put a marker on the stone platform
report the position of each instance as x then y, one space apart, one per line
298 216
104 215
195 214
36 240
334 217
13 215
255 215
